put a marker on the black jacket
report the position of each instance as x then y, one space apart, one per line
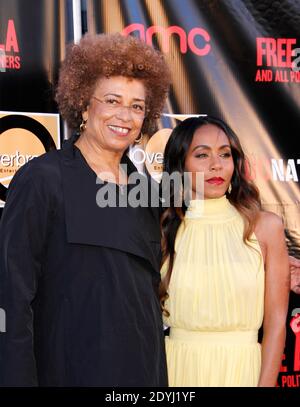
78 283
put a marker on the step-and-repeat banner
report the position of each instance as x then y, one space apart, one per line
235 59
33 34
238 60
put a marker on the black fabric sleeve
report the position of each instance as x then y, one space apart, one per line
23 231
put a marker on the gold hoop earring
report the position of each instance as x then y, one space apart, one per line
139 139
82 127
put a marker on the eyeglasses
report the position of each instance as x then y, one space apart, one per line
137 109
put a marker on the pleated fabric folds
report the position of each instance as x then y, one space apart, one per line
215 302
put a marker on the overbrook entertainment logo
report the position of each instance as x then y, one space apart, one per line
175 188
140 156
9 163
18 159
2 320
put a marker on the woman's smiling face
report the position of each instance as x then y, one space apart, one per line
116 112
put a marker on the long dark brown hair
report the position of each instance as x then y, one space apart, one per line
244 195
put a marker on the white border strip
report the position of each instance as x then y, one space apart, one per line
183 115
77 28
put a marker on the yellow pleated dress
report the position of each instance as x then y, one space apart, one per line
216 297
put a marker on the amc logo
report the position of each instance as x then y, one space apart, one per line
186 40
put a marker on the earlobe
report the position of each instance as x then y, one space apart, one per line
85 115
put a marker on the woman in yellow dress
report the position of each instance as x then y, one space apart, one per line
226 268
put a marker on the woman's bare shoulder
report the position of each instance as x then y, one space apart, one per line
269 219
268 225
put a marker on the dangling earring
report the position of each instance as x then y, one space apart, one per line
82 127
229 189
139 139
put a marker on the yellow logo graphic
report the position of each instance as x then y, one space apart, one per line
24 136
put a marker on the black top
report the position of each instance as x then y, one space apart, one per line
78 283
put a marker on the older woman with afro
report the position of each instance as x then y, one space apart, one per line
79 282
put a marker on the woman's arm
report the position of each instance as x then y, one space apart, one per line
277 286
295 274
23 229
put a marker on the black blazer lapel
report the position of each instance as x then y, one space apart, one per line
133 230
